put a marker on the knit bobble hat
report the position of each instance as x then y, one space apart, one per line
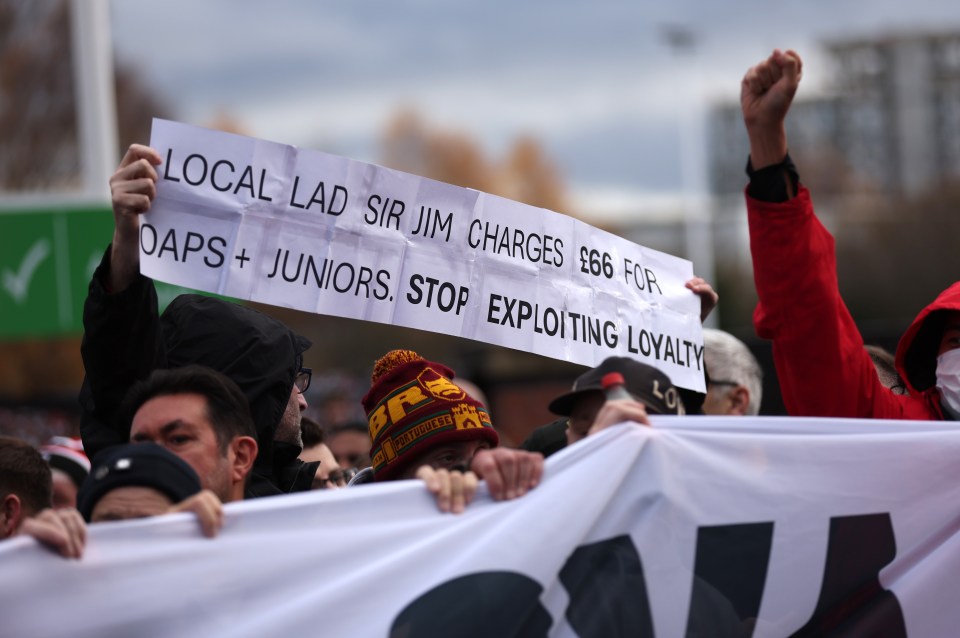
412 406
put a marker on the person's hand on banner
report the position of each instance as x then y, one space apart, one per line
207 507
509 473
61 530
453 489
708 296
766 93
132 189
617 411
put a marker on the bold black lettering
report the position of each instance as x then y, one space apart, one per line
652 280
481 605
610 336
296 275
729 573
293 193
366 276
608 593
470 240
492 308
276 264
223 244
246 181
852 602
517 244
535 253
415 281
213 175
383 285
144 229
370 201
203 171
166 167
195 248
263 178
333 201
319 190
525 312
344 267
169 244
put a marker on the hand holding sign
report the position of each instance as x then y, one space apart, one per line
133 188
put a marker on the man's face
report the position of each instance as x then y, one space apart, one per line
288 430
350 448
582 415
448 456
720 399
179 423
329 474
951 333
125 503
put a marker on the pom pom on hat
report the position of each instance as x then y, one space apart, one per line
391 360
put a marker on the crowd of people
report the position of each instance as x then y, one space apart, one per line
204 404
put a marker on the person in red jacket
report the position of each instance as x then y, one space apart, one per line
821 362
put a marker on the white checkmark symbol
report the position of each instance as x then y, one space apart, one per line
18 283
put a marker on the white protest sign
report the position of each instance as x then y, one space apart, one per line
302 229
697 526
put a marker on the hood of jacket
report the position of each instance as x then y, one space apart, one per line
259 353
916 358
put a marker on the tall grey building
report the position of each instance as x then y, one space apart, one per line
891 118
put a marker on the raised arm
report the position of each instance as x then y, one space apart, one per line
121 341
766 94
818 351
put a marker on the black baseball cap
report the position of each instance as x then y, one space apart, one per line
644 382
137 465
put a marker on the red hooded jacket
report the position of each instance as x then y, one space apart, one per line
817 349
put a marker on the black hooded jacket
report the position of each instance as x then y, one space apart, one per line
125 339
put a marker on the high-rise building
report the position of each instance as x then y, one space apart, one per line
890 120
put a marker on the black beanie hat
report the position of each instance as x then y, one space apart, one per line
137 465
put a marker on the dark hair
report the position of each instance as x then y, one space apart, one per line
920 362
311 431
24 472
227 407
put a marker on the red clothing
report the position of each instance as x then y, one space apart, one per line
818 351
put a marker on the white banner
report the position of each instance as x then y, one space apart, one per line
291 227
696 527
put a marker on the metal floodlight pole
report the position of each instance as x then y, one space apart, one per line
697 212
95 94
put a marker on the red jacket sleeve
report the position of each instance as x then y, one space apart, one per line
821 364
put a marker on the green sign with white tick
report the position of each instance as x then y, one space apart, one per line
47 256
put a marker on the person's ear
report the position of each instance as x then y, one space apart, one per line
244 454
11 515
739 400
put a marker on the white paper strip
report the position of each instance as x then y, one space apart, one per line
302 229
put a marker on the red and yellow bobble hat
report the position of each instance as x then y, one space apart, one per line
413 405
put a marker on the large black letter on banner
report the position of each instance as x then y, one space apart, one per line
852 603
608 596
483 605
729 573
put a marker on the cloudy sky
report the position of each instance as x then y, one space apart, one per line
596 82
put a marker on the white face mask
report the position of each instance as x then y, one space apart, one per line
948 381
